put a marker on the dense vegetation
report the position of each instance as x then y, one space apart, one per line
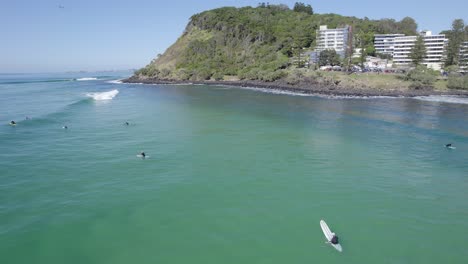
421 77
457 81
457 35
256 43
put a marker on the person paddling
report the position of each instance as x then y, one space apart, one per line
13 123
334 239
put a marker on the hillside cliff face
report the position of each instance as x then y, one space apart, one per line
249 43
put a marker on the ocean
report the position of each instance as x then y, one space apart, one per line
233 175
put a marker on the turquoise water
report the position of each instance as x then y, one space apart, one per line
234 175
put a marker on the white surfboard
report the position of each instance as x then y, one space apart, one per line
451 147
329 235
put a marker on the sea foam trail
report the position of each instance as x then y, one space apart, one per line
115 81
104 95
298 93
87 79
444 99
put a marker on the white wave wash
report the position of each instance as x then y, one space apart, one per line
444 99
299 93
115 81
104 95
87 79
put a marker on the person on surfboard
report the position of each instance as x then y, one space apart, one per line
334 239
143 155
12 123
448 145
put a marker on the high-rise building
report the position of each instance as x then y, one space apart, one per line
464 57
384 43
435 48
337 39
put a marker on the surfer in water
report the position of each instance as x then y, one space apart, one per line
449 145
143 154
127 124
334 239
65 127
13 123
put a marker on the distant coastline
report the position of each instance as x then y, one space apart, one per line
310 88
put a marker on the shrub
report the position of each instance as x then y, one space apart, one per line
457 81
164 73
202 74
184 74
295 76
249 74
272 76
421 77
218 76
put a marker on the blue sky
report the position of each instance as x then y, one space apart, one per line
38 36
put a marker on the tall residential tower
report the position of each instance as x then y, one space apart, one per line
435 48
337 39
384 43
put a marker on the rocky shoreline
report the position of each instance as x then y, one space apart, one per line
310 88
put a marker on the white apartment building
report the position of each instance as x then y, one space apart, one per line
435 47
384 43
336 39
464 57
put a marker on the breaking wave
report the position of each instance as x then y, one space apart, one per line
103 95
86 79
451 99
115 81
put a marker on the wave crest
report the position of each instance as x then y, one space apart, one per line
119 81
103 95
87 79
444 99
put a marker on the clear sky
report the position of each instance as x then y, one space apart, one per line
40 36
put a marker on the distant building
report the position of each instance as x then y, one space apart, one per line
464 57
385 43
435 48
335 39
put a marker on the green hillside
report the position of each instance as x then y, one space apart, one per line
254 43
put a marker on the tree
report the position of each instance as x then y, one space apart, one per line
418 52
329 57
456 37
408 26
301 7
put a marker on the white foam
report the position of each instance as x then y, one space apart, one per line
87 79
275 91
103 95
444 99
179 84
115 81
284 92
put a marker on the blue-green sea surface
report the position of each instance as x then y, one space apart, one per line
233 175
